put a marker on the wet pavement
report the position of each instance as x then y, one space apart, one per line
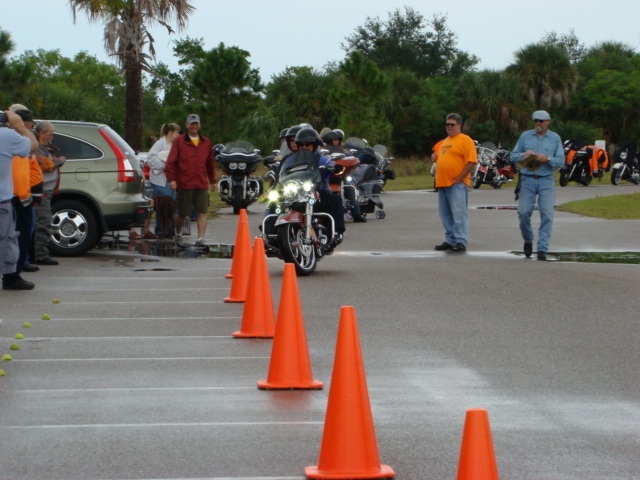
137 375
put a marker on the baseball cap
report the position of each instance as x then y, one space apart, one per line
540 115
193 118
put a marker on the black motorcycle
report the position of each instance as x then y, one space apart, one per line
238 187
293 230
578 166
626 166
378 156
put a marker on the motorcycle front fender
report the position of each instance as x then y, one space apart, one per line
290 217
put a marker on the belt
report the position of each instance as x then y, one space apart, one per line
535 176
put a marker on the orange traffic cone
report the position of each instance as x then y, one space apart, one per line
477 459
257 318
241 218
241 265
290 367
349 448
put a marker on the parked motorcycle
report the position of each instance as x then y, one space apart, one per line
626 166
494 166
583 163
293 230
238 187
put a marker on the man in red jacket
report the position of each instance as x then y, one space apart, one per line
190 170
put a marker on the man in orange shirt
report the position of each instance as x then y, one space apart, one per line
456 156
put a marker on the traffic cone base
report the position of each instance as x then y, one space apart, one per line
349 448
290 366
242 256
477 458
241 218
257 317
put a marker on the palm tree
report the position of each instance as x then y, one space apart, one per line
126 36
547 74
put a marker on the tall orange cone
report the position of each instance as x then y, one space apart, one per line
290 366
477 459
241 218
241 264
257 317
349 448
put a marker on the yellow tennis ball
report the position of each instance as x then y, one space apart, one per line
6 357
46 316
19 336
56 301
26 325
1 373
15 346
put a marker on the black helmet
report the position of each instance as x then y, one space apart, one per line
340 133
308 135
283 133
329 137
293 131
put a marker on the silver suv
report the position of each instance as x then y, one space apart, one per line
101 187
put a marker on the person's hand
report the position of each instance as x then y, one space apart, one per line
213 187
63 160
173 185
14 120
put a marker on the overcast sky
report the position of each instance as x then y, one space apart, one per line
284 34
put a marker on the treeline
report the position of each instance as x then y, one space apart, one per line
398 80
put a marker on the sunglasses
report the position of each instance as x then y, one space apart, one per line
451 124
538 121
304 144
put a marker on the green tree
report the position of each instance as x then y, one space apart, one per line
547 74
14 76
127 37
228 88
408 41
359 98
569 43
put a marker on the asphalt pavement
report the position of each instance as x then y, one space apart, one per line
136 375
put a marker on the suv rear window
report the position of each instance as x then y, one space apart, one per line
76 149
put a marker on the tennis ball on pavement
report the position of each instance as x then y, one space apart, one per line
46 316
1 373
26 325
55 300
6 357
19 336
15 346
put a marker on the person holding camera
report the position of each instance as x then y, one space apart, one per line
15 140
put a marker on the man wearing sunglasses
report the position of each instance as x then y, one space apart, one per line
538 180
456 156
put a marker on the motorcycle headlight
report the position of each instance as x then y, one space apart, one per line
307 186
623 155
242 166
233 165
274 196
291 190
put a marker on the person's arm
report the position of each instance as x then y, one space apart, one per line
170 169
152 157
465 171
211 171
15 121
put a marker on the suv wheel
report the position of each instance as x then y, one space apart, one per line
74 229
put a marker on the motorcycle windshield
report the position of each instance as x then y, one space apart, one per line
300 166
238 151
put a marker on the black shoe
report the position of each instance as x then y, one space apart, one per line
443 247
459 247
27 267
528 249
17 284
542 256
46 261
359 219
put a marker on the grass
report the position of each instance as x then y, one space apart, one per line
413 173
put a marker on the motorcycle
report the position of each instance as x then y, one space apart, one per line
238 187
293 230
378 156
626 166
494 166
583 163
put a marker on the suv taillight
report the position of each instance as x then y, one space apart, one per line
125 170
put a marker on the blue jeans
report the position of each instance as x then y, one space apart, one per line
544 188
452 205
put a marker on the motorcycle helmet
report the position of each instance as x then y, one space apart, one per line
329 137
308 135
283 133
340 133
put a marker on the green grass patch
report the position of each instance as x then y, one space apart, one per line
615 207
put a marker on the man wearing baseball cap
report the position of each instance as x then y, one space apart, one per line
190 170
539 152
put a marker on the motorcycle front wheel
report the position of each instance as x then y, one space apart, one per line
616 176
295 250
564 179
477 181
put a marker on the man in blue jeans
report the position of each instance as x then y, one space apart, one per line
538 180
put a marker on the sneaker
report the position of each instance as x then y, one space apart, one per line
178 239
444 247
359 219
17 284
459 247
200 242
46 261
528 249
542 256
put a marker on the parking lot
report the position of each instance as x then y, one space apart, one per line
137 375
